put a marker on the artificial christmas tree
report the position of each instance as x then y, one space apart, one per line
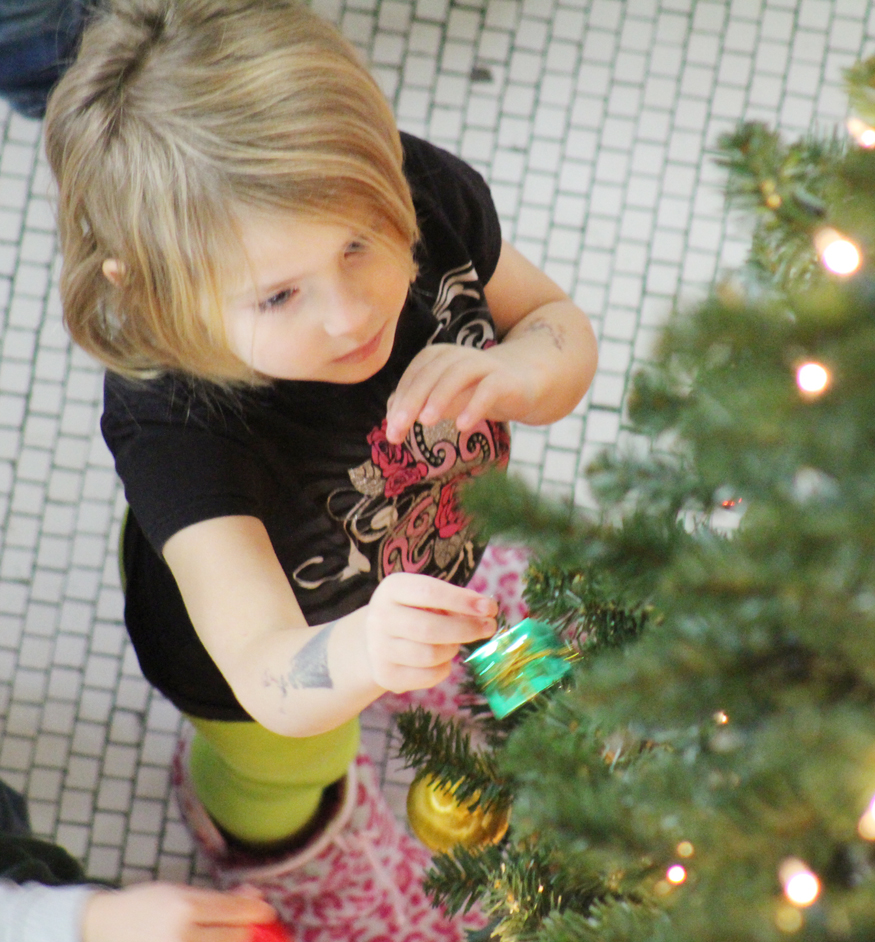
709 777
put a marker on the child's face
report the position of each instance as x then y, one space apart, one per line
317 301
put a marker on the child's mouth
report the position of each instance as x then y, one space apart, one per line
364 352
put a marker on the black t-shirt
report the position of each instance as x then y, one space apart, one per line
342 506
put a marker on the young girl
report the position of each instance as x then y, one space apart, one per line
314 335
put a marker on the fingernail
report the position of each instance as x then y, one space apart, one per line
485 605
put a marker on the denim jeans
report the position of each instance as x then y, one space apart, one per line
38 39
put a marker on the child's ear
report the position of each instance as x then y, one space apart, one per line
114 271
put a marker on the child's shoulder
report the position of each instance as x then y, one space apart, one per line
457 217
432 169
175 399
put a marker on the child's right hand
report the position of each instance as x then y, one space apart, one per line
415 625
166 912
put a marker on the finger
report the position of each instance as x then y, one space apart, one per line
219 934
440 382
417 591
407 400
481 404
398 424
425 391
430 413
434 628
452 391
447 407
247 889
212 908
417 365
402 652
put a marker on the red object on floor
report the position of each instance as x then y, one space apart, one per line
270 932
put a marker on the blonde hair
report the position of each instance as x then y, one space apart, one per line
177 117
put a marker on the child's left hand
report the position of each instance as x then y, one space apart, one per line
537 374
446 381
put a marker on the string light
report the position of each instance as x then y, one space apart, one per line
685 849
721 718
861 132
837 252
676 874
812 378
866 824
801 886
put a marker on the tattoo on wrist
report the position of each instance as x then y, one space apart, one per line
309 667
554 331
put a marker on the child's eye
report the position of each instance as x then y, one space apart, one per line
356 246
277 300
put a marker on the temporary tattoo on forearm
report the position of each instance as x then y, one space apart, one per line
555 331
309 667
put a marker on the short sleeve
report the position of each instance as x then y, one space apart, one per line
448 190
178 465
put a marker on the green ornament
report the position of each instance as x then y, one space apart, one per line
517 664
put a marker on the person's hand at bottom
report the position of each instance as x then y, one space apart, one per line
167 912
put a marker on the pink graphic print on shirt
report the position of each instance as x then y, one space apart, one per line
400 511
411 495
396 463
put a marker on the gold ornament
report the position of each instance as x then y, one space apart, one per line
441 822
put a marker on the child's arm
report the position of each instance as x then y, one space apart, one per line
537 374
300 680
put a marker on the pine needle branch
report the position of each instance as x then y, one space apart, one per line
519 886
443 749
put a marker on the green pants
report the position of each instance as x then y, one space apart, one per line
261 787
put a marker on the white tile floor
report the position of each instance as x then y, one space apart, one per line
591 119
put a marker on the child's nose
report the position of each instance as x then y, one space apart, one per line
346 313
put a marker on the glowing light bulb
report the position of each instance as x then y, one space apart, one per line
801 886
837 252
721 718
866 824
861 132
802 889
812 378
676 874
841 257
